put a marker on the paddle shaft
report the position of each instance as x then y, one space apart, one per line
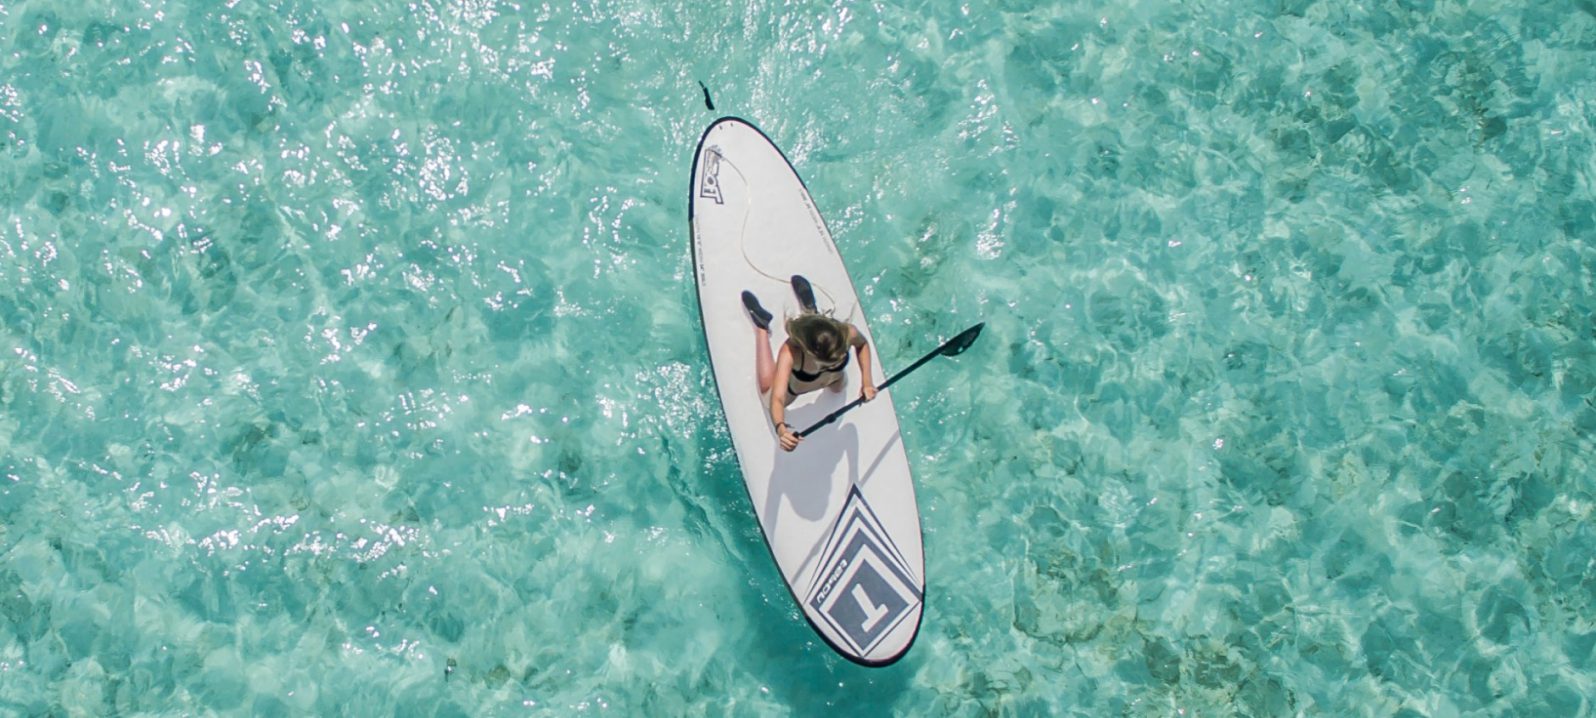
856 402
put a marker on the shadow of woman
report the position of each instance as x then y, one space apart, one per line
804 476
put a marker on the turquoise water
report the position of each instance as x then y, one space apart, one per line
350 361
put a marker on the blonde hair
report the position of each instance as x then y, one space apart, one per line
819 336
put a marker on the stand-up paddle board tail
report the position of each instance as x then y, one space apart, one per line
838 514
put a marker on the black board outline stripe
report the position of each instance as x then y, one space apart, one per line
692 244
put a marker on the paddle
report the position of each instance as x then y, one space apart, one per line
953 347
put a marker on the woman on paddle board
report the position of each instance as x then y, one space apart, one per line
814 356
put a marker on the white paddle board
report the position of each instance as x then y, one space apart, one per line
839 512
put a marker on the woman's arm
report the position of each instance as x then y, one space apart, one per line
867 382
778 399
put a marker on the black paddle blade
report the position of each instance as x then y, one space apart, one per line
958 344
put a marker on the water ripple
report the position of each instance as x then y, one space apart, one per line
349 356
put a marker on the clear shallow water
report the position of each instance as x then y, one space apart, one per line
351 362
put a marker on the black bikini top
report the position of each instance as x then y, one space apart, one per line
804 376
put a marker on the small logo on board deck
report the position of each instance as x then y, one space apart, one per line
709 183
864 587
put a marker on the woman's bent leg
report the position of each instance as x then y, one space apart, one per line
764 363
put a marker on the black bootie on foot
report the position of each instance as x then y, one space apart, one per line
755 312
806 294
